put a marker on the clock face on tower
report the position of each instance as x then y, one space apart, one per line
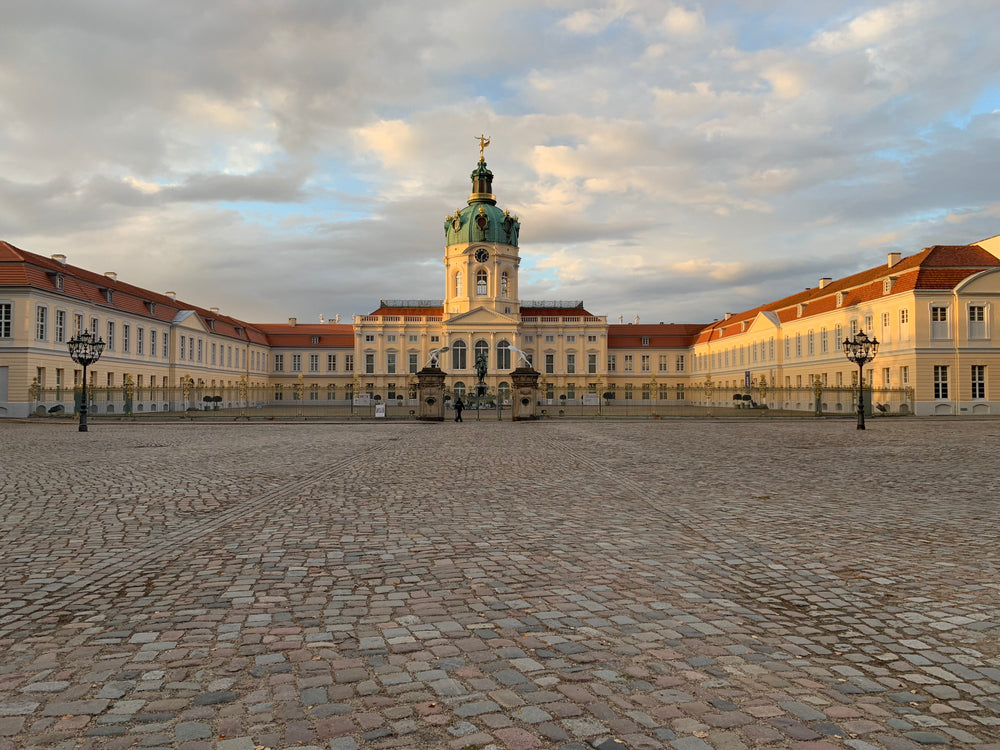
482 255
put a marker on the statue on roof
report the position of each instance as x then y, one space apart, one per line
484 141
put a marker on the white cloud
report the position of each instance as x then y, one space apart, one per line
684 22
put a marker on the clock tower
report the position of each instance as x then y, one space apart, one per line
481 260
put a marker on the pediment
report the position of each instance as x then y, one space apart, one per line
764 321
480 317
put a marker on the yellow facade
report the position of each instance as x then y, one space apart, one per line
933 312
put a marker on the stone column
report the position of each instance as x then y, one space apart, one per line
525 393
430 391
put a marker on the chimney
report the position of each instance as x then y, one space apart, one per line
214 309
894 258
728 316
111 275
60 259
824 282
172 295
321 319
292 321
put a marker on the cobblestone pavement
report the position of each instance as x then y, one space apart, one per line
576 585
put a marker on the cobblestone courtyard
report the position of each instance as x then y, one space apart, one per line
673 584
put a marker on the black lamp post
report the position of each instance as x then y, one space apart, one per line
861 350
85 349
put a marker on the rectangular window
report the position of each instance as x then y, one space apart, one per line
414 362
869 324
904 375
412 338
788 348
977 322
680 363
645 340
110 340
810 344
629 390
662 363
6 320
41 323
939 323
904 316
571 339
627 363
127 338
331 362
550 363
348 363
549 339
838 337
390 363
824 341
313 363
592 364
646 363
166 345
570 364
940 381
391 338
612 363
77 324
591 339
369 338
60 326
140 341
886 377
152 343
279 362
370 364
214 353
979 381
296 363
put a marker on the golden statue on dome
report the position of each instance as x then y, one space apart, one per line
484 141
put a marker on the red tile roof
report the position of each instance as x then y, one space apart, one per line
560 312
412 311
664 335
20 267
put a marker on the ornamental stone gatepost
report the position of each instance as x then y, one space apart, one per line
430 387
525 396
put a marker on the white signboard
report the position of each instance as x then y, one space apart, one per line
363 399
379 410
591 399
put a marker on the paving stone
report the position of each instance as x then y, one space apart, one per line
744 607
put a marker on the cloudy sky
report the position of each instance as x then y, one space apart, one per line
669 160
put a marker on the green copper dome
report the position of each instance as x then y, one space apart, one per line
481 220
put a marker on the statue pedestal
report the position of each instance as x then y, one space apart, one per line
525 396
430 387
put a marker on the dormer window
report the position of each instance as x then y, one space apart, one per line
800 310
840 299
59 281
315 340
887 284
211 324
109 296
645 340
151 306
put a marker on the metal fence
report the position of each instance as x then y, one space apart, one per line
297 402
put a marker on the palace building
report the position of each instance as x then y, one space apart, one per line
934 313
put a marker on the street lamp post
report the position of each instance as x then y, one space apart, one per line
861 350
85 349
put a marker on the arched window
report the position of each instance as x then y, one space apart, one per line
459 389
503 391
505 284
483 350
503 355
458 356
481 282
458 284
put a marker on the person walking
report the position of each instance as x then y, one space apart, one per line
458 409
